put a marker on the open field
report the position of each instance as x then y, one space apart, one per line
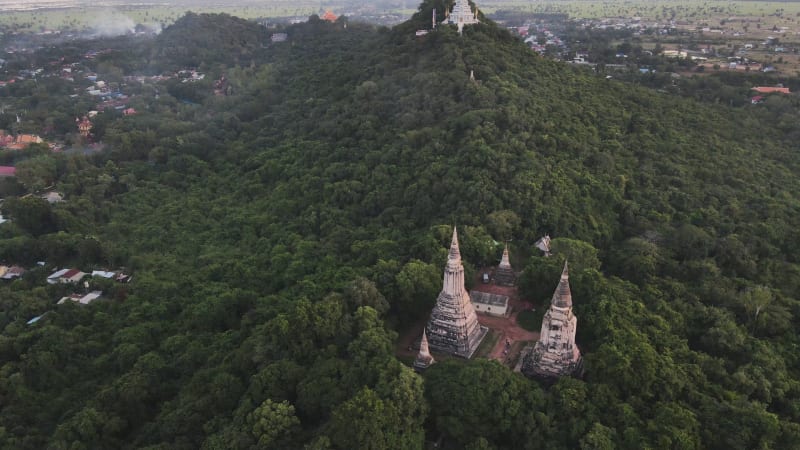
658 10
687 13
709 24
87 17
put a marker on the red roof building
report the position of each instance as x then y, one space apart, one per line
770 90
18 142
329 16
84 126
8 171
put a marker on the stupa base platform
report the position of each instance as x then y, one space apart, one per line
467 353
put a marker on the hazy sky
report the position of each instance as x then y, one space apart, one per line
8 5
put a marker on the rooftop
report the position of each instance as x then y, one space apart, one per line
487 298
770 89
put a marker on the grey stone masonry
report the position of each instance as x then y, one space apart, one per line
453 326
555 354
504 275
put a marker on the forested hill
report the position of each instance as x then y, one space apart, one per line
196 40
281 235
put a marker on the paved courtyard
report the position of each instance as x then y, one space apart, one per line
512 336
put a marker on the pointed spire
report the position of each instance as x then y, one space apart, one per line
562 297
504 275
423 345
424 357
504 262
453 324
455 253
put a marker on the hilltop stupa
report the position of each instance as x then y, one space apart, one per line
461 14
555 354
504 275
453 327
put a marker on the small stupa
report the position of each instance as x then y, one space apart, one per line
555 354
424 357
504 275
453 327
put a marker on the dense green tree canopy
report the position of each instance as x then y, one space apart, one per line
277 235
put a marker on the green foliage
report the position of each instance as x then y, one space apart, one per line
417 286
498 404
224 40
274 232
273 424
531 320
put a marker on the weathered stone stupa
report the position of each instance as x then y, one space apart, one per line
461 15
555 354
424 357
504 275
453 327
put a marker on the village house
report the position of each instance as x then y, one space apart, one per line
7 171
22 141
83 299
119 277
5 139
771 90
10 273
35 319
18 142
490 304
66 276
52 197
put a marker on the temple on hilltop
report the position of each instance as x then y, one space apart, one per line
424 358
555 354
504 275
453 326
329 16
461 14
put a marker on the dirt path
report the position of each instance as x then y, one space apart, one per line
406 343
510 334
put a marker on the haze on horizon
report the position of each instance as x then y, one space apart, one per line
27 5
